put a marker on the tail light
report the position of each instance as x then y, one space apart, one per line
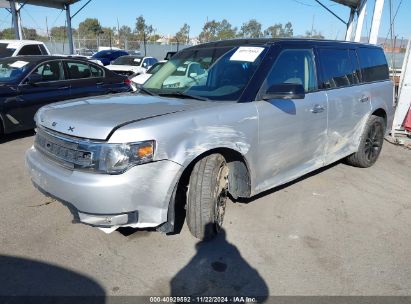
127 81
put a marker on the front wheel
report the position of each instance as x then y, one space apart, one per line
370 143
207 196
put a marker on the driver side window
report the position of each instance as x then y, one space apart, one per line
294 66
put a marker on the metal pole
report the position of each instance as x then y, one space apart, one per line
350 26
376 21
16 20
69 29
360 21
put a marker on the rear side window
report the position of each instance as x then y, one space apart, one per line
78 70
338 70
43 49
32 49
96 71
373 64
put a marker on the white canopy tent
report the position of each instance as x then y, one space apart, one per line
14 7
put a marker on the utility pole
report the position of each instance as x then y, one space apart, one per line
312 26
376 21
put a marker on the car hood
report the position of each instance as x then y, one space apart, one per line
97 117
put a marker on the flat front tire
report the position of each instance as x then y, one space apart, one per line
207 196
370 143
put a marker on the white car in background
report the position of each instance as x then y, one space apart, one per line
11 48
186 74
129 65
139 80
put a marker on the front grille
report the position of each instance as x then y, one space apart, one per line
62 150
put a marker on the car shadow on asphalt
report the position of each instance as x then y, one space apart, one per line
14 136
29 281
218 269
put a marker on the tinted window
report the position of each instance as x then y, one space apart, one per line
373 63
96 71
50 71
128 60
296 67
32 49
43 49
155 67
78 70
5 51
153 61
337 68
356 66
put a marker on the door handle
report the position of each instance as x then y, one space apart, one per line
317 109
364 99
63 88
99 83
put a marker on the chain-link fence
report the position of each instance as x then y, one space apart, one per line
90 46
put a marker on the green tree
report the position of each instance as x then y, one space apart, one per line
7 33
28 33
278 30
225 30
251 29
143 31
288 30
209 32
90 28
182 35
217 30
313 34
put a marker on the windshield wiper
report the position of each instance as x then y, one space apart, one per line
182 95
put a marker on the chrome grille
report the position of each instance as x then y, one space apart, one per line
62 150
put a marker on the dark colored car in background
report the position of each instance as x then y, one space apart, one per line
107 56
30 82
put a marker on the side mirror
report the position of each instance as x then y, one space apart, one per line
34 78
285 91
192 75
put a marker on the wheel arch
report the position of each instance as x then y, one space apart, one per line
380 112
239 185
239 176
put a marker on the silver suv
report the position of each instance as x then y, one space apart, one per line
255 114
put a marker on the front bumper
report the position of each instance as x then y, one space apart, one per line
137 198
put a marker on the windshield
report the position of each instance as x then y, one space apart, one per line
155 68
128 60
12 69
213 73
4 51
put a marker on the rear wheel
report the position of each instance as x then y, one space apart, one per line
207 196
371 143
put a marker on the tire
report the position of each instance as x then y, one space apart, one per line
371 143
207 196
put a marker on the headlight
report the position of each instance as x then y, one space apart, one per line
117 158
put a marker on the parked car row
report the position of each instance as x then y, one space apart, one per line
225 118
29 82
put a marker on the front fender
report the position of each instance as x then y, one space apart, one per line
181 137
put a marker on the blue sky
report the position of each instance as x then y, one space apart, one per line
168 16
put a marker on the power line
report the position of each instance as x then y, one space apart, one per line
392 21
